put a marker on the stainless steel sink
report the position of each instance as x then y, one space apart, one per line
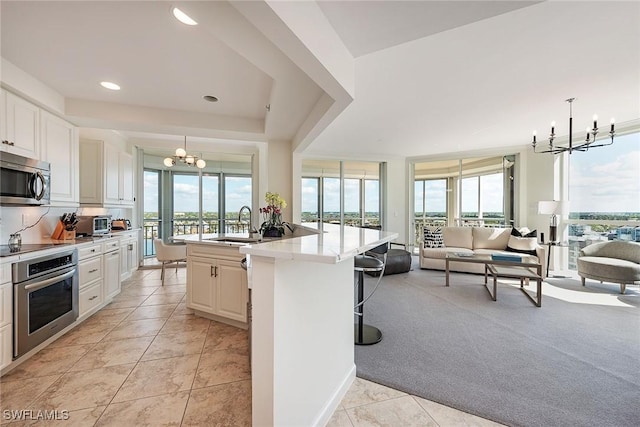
230 239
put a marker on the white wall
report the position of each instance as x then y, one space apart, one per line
279 175
398 183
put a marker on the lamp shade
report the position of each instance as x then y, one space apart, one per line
553 207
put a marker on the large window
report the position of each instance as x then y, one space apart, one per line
332 190
172 197
604 194
474 191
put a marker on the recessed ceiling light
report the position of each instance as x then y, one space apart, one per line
110 85
210 98
183 17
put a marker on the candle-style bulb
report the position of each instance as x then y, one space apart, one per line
534 136
595 121
613 122
553 127
588 133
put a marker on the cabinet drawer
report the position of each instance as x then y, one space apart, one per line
5 273
89 251
6 307
6 346
90 270
110 245
90 297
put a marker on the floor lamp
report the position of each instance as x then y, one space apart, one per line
553 208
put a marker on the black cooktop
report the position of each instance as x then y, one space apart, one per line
30 247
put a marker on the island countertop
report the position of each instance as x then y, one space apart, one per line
332 243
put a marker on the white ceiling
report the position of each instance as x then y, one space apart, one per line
429 76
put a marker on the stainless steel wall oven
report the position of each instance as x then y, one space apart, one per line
45 298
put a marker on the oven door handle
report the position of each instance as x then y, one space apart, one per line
47 282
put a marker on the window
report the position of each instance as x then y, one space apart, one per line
151 209
321 192
172 197
604 194
310 200
472 191
236 195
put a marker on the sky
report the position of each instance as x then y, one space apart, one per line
606 179
238 193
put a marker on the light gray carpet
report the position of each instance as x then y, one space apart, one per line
564 364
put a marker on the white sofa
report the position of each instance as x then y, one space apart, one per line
479 240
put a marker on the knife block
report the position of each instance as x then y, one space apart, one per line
61 234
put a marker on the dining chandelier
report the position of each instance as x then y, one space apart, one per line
589 141
182 156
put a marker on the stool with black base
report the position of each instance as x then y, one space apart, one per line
367 334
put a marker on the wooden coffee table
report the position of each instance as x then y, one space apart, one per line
524 271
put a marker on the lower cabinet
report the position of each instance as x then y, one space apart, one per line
90 297
6 318
90 274
128 254
6 345
111 274
217 285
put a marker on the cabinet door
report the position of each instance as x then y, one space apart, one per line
232 291
6 307
111 274
125 174
91 172
111 177
201 284
89 298
132 258
6 346
124 261
3 119
21 127
59 146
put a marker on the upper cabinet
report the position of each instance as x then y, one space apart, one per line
19 126
59 146
106 174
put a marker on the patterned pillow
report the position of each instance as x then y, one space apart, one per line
524 243
433 238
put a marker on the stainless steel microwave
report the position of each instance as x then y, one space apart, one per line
23 181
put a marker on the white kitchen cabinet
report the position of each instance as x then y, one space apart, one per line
90 276
111 281
128 254
217 284
59 146
6 316
106 174
21 126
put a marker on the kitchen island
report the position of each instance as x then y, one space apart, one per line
302 297
303 359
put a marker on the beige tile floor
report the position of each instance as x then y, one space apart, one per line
146 360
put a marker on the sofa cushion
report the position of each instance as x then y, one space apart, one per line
490 238
433 238
441 253
523 243
459 237
619 270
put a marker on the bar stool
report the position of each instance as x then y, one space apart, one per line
367 334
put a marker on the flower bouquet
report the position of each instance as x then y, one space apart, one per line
273 226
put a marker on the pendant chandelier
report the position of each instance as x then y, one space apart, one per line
182 156
589 141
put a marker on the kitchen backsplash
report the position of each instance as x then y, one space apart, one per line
14 219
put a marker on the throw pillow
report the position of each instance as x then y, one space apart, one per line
433 238
523 243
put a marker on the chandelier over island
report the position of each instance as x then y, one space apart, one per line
589 141
182 156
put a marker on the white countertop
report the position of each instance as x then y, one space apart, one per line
333 243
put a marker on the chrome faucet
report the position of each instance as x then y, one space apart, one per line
252 229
